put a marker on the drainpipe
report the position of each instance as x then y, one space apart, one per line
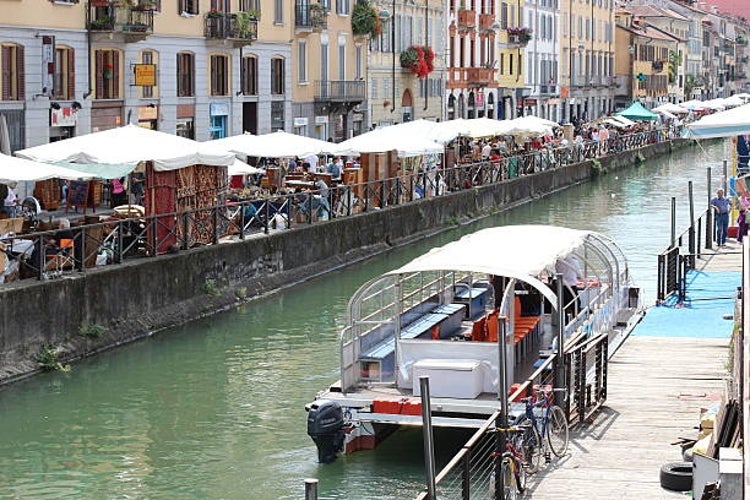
427 44
88 51
393 58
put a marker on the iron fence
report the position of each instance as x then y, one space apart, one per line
40 255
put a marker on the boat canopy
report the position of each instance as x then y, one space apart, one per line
523 252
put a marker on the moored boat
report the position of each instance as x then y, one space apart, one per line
476 316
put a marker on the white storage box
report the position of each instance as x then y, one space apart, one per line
449 378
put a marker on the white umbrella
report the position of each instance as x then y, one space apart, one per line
386 139
625 121
274 145
733 101
715 104
131 144
241 168
728 123
531 125
674 109
14 170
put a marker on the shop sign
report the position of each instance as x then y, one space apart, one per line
300 122
529 102
219 109
148 113
321 120
63 117
48 64
145 75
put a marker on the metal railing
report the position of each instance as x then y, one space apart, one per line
680 257
340 90
115 240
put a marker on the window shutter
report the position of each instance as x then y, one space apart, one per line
99 73
116 75
20 75
5 65
71 75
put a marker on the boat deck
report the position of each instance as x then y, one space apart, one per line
657 384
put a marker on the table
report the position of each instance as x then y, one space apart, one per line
300 184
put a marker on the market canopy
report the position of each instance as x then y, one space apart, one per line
728 123
130 145
13 170
274 145
530 125
389 139
674 109
637 112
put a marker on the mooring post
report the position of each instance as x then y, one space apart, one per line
673 222
709 213
311 489
691 236
427 437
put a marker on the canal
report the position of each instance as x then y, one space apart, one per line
214 409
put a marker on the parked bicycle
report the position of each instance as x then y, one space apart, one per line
546 428
513 467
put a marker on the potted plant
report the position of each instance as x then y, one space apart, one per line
418 59
214 14
102 23
146 5
242 24
365 20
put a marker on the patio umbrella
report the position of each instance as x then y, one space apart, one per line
674 109
531 125
384 140
728 123
130 144
13 170
274 145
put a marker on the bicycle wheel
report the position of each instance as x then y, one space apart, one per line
510 491
557 431
531 447
520 473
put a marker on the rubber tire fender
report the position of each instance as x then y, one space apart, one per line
677 476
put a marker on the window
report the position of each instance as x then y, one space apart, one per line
358 62
277 76
219 74
342 62
185 74
107 74
185 128
188 7
248 5
342 7
324 61
13 82
65 77
219 6
277 115
249 75
278 11
147 57
504 15
302 61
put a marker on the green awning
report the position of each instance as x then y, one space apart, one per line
636 111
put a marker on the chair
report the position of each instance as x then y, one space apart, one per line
478 330
63 258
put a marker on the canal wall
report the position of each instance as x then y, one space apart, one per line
81 314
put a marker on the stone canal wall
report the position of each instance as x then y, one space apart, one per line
84 313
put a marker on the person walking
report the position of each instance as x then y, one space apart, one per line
721 206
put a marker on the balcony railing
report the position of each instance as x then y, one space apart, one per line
340 91
310 16
136 22
231 26
466 18
471 77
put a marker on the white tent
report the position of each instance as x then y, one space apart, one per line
389 139
734 101
728 123
694 105
531 125
274 145
242 168
625 121
715 104
130 144
673 109
13 170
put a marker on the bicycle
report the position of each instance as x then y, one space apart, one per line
546 428
512 467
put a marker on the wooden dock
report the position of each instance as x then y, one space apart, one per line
656 389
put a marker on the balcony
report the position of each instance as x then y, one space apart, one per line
237 28
518 36
131 23
347 93
485 22
466 19
459 78
310 17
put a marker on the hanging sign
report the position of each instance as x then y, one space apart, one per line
145 75
48 65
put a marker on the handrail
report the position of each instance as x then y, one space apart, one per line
157 234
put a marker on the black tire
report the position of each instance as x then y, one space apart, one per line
557 431
677 476
532 447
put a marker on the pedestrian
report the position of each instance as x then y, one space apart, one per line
9 201
721 206
741 225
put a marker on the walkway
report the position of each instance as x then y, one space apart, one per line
672 366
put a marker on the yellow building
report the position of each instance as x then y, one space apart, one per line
199 69
513 37
329 84
643 67
587 52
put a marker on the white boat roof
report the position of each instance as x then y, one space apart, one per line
516 251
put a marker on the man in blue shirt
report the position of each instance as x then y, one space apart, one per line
721 208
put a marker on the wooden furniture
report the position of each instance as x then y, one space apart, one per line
48 193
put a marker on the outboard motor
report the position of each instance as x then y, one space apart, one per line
325 425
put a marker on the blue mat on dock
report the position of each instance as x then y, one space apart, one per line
710 296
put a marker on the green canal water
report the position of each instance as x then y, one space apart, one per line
215 409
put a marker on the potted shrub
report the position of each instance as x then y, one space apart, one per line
365 20
419 60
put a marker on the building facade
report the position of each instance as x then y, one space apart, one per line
543 60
